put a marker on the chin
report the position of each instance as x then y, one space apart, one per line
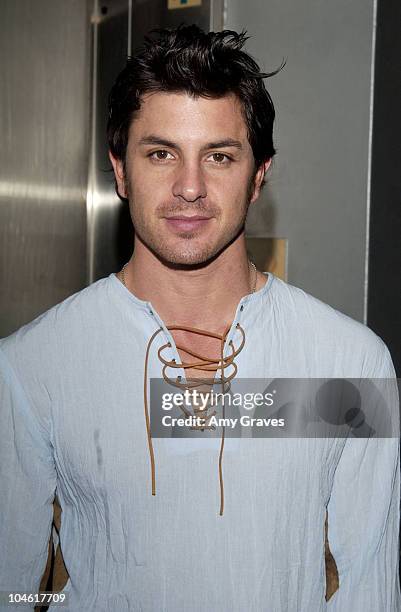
188 251
185 255
192 258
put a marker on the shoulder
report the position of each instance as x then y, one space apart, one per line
37 357
329 333
35 344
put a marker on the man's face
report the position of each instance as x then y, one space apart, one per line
189 171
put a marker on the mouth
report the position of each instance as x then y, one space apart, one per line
187 223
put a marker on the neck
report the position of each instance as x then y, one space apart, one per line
204 296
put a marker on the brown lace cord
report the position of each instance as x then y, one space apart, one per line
204 364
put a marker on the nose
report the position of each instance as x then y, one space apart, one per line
189 183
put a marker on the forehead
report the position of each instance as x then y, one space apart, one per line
179 116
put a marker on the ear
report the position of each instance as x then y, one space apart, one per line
260 174
119 175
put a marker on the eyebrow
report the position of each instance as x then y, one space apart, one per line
154 139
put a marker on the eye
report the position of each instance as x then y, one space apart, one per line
160 155
221 158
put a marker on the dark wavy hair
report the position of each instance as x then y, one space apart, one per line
186 59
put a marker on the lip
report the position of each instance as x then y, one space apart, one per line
187 223
187 218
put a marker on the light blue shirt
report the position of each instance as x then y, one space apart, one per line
72 422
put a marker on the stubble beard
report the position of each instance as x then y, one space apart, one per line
189 251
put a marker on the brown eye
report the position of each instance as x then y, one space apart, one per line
220 158
160 155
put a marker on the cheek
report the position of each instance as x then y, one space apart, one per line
228 183
150 188
146 192
236 189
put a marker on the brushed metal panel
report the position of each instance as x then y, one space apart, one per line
110 234
44 53
148 14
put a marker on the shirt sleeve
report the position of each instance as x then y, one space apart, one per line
364 516
27 488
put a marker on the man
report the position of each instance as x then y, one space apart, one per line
150 525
